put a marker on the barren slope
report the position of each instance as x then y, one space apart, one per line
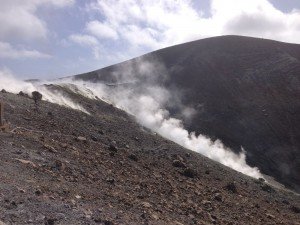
120 174
245 91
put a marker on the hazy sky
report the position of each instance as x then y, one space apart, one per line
55 38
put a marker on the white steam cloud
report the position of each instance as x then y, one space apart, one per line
9 83
137 91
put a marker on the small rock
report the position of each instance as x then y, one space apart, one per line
188 172
26 162
101 132
26 118
110 180
108 222
206 203
266 187
154 216
81 139
38 192
50 148
213 218
188 154
58 165
77 196
133 157
112 147
64 145
94 138
217 197
231 187
21 93
21 191
178 163
97 220
270 216
49 221
295 209
146 204
3 91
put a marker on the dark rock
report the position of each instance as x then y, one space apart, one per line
108 222
101 132
295 209
206 203
36 96
38 192
133 157
217 197
21 93
94 138
266 187
110 180
284 201
3 91
112 147
49 221
231 187
178 163
188 172
97 220
59 166
188 155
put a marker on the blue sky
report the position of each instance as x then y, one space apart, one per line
55 38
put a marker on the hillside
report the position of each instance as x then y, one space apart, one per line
62 166
243 91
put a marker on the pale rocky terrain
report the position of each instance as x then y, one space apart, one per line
62 166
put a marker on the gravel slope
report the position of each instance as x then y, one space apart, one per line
61 166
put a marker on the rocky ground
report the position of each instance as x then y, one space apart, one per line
62 166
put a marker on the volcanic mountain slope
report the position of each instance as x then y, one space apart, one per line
63 166
245 92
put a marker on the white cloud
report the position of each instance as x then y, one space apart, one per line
7 51
161 23
101 30
87 41
145 37
18 19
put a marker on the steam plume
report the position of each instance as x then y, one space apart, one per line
147 101
136 90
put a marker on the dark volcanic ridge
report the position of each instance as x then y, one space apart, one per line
243 91
62 166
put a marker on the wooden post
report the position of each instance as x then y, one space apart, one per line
1 114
